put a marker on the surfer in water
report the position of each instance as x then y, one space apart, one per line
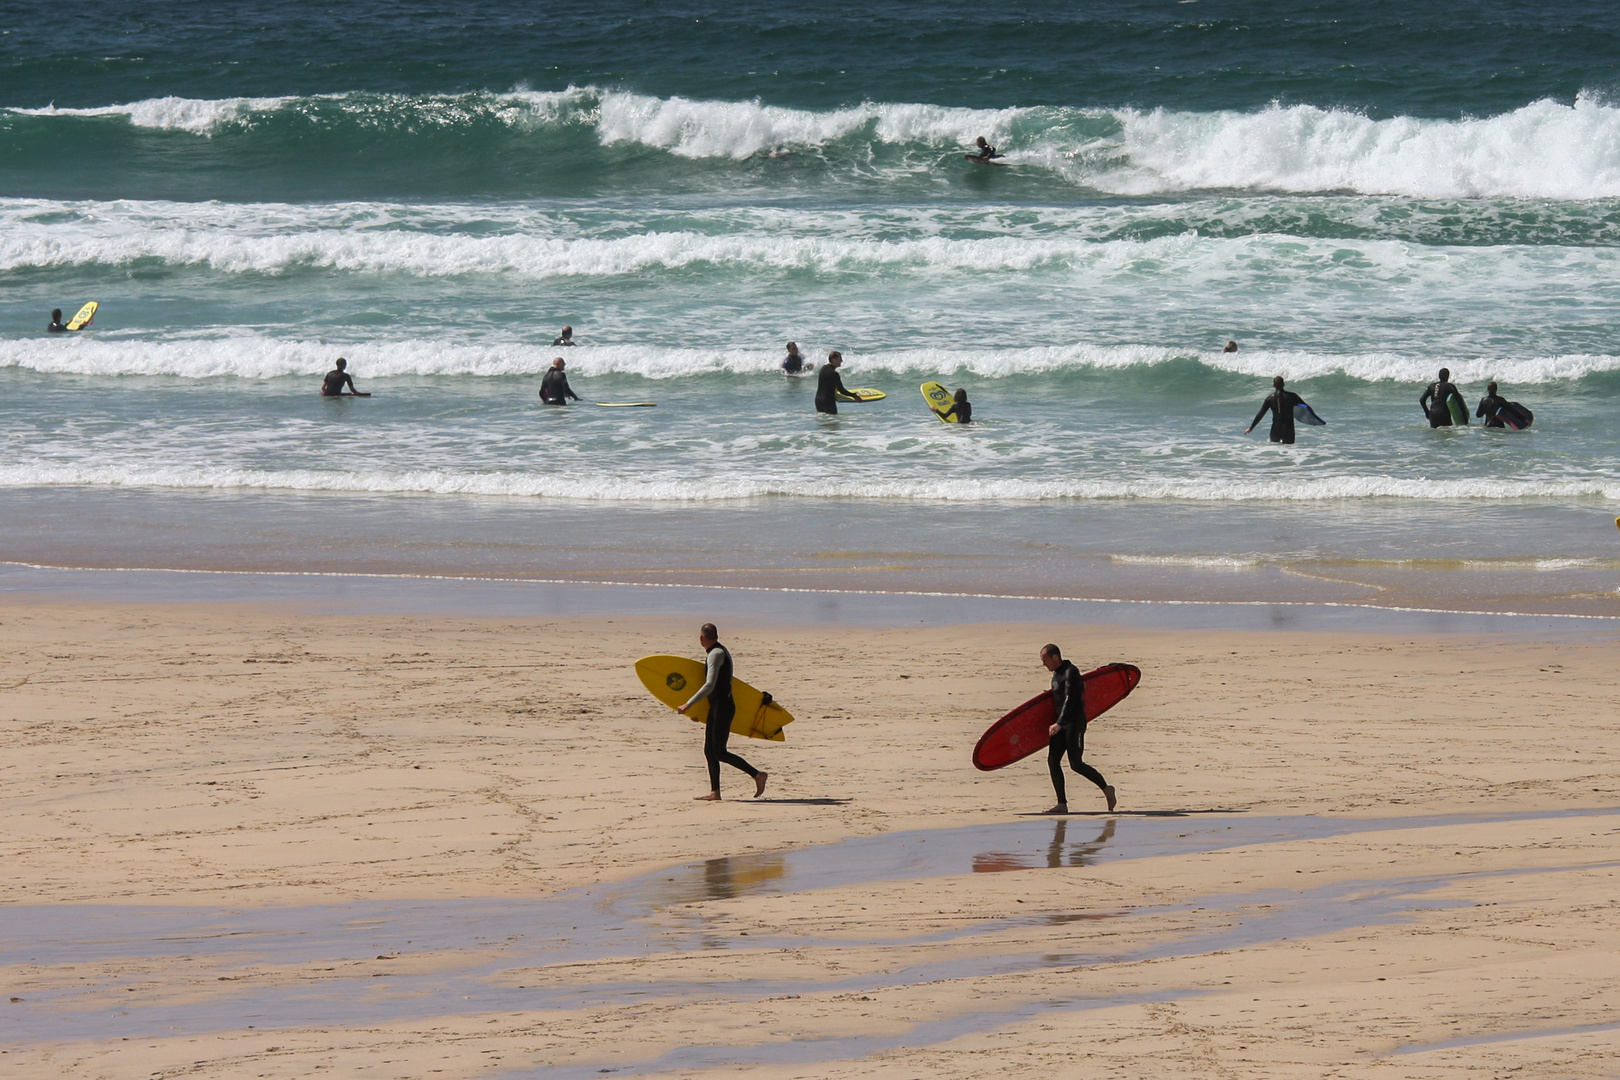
554 388
794 363
722 707
564 338
57 325
1434 400
337 379
1281 405
960 408
1068 735
829 384
986 151
1231 346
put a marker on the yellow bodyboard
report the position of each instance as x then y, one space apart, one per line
674 679
82 319
939 400
862 393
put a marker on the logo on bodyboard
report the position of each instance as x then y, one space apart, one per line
676 681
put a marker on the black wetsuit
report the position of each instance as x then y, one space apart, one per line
1488 407
335 381
828 387
554 389
722 708
1281 405
1069 696
1434 401
962 410
986 153
793 364
57 327
559 342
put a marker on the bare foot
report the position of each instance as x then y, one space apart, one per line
1060 808
1108 793
713 796
759 783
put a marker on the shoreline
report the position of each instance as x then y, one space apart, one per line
364 593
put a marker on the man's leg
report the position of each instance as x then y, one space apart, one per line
1054 765
716 735
1077 747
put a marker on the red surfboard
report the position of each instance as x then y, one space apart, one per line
1022 732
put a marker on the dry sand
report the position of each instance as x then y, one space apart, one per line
188 758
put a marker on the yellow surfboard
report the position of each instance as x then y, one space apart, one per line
939 400
82 319
674 679
862 393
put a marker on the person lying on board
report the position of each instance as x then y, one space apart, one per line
986 151
554 388
1069 733
962 409
794 363
337 379
566 337
57 325
1281 405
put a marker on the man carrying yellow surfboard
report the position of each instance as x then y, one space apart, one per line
717 730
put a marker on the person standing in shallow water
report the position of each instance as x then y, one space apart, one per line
554 388
1434 400
1281 405
337 379
829 384
722 708
1068 734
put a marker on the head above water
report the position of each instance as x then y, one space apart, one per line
567 331
961 395
559 363
1231 346
980 141
1277 382
1490 388
341 363
56 314
1445 374
793 347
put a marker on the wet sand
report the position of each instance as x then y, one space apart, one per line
249 841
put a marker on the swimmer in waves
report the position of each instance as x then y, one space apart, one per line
986 154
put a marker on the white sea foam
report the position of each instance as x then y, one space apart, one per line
1544 149
200 116
266 357
735 486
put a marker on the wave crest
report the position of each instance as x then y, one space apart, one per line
1545 149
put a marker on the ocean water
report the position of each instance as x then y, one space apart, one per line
1358 194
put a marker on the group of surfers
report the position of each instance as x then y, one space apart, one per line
1066 736
1435 401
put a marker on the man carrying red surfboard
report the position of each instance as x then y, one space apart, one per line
1068 734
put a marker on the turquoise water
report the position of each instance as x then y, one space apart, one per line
1358 197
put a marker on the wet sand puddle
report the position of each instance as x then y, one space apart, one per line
101 972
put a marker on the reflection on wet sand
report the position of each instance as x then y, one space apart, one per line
1058 852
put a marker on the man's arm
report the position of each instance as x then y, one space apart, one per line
1074 698
1269 403
708 687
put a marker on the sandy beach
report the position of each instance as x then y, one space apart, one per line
245 841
